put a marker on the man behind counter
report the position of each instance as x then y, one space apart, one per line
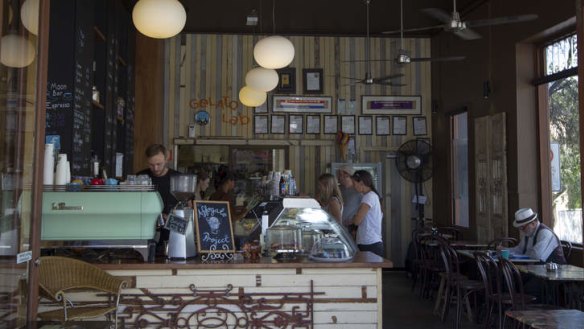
158 171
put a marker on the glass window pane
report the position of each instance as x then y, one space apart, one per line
561 55
460 169
565 158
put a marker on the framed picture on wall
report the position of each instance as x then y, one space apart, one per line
365 125
312 81
391 105
260 124
295 124
313 124
400 125
286 80
382 125
420 127
278 124
330 124
348 124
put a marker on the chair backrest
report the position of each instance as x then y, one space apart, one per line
505 242
59 274
489 272
567 246
454 233
513 283
449 256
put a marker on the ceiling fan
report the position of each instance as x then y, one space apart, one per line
453 23
403 56
369 79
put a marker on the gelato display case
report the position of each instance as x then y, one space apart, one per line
303 229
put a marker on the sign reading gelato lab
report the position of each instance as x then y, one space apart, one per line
231 109
214 230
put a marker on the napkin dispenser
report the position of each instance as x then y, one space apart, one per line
100 219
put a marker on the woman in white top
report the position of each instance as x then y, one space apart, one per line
203 181
329 196
369 215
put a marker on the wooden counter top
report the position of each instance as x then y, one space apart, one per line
361 260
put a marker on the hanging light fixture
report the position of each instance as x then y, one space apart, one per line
16 51
252 97
263 79
274 52
29 15
159 19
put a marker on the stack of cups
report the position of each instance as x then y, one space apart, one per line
63 174
49 165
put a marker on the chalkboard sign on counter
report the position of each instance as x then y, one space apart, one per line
176 224
214 230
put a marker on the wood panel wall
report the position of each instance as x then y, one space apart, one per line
213 68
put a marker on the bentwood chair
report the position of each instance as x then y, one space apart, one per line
61 277
505 242
567 247
456 284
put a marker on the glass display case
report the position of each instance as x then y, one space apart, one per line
303 229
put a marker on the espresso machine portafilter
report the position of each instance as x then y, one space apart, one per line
182 246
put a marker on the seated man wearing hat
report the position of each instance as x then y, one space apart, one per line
536 239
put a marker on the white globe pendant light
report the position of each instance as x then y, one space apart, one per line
274 52
159 19
262 79
251 97
29 15
16 51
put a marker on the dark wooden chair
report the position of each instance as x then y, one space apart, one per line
567 247
59 277
457 285
505 242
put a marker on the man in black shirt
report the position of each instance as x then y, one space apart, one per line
159 173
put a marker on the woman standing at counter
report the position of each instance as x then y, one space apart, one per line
368 217
329 196
224 182
203 181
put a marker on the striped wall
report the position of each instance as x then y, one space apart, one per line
207 71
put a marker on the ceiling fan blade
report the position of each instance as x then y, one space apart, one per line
438 14
467 34
349 78
389 83
438 59
389 77
501 20
416 29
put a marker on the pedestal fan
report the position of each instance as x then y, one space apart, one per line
414 163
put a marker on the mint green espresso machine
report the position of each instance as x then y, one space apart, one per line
102 217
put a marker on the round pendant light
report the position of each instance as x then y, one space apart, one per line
159 19
262 79
16 51
29 15
273 52
251 97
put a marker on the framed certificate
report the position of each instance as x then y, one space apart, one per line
348 124
260 124
365 125
420 127
330 124
278 124
399 126
313 124
382 125
295 124
312 79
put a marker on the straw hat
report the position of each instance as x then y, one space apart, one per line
524 216
348 169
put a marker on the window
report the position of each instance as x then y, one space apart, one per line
560 123
459 169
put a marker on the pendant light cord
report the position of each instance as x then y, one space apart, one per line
274 17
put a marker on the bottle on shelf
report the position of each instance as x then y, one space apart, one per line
292 186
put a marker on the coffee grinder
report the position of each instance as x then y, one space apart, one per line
182 245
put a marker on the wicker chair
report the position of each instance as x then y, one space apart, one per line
59 276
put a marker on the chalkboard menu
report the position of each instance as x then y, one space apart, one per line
214 230
85 52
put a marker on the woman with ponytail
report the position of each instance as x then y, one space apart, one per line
369 215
